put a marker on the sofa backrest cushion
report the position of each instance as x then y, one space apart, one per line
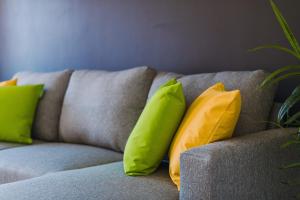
273 116
101 108
256 102
46 121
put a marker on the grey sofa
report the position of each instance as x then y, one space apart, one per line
85 117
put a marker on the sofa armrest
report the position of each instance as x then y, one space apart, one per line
246 167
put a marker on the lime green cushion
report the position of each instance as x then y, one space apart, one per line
17 109
153 133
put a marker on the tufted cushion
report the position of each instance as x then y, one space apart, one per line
256 102
46 122
101 108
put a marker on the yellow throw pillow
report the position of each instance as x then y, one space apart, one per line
12 82
211 117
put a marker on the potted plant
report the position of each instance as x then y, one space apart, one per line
285 117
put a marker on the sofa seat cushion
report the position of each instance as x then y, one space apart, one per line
101 108
104 182
35 160
256 102
8 145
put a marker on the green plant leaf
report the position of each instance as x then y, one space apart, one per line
276 47
294 182
286 29
274 123
289 143
289 102
293 165
273 75
295 124
283 77
293 119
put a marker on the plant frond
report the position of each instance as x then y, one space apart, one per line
286 28
277 72
293 165
276 47
289 102
283 77
289 143
293 119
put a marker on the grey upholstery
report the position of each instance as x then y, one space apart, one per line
101 108
245 167
35 160
256 102
160 79
273 116
106 182
46 122
8 145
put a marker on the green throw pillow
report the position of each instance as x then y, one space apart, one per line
17 109
153 133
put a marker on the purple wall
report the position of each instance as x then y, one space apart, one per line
186 36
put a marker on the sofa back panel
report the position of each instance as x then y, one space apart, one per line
256 102
160 79
273 115
101 108
46 122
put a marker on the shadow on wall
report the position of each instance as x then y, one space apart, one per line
188 36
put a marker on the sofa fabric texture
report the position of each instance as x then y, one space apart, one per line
104 182
246 167
273 115
256 102
8 145
101 108
39 159
48 112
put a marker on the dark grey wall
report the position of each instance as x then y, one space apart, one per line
187 36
